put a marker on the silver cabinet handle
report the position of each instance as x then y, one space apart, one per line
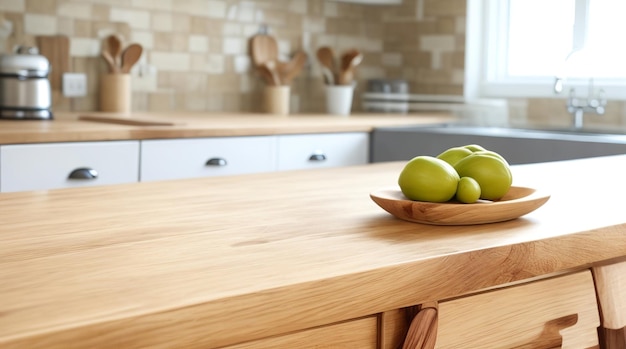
317 157
83 173
216 162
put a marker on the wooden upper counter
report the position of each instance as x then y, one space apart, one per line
214 261
70 127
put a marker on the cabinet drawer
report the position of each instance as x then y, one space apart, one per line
322 150
552 313
48 166
187 158
354 334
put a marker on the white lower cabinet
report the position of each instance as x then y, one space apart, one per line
200 157
62 165
322 150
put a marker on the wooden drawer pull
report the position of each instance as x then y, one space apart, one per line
422 332
216 162
83 173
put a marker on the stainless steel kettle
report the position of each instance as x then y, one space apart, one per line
24 85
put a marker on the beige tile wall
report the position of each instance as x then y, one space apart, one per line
196 51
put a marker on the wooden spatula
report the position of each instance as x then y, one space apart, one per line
263 48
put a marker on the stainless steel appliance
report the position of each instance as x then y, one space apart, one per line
24 85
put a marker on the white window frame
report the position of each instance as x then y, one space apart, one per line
484 65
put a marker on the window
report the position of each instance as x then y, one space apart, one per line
517 48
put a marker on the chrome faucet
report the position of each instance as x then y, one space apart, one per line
595 102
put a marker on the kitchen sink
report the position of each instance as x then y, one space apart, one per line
517 145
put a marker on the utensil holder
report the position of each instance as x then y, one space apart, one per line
339 99
115 93
277 99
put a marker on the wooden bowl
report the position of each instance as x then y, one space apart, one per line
516 203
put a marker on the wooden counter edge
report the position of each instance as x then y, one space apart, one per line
222 322
162 127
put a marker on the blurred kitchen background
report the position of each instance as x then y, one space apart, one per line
196 54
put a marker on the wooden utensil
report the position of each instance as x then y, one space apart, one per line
268 71
326 57
266 75
349 61
263 48
113 68
56 48
422 333
329 77
130 56
288 71
114 46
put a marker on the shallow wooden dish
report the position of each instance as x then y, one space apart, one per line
516 203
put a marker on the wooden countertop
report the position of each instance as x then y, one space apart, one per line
215 261
71 128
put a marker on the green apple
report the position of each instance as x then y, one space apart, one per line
426 178
453 155
474 147
492 174
492 153
468 190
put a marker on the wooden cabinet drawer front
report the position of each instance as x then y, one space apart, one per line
187 158
322 150
48 166
524 316
355 334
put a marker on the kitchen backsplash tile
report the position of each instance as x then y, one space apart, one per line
170 61
41 6
36 24
165 5
13 5
137 19
84 47
196 51
75 10
162 22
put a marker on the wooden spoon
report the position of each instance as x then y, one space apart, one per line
113 68
329 77
326 57
349 61
130 56
266 75
268 71
291 69
114 46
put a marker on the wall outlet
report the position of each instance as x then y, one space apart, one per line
74 84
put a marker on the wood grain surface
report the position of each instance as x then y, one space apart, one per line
68 127
56 48
127 120
611 288
353 334
554 313
219 261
